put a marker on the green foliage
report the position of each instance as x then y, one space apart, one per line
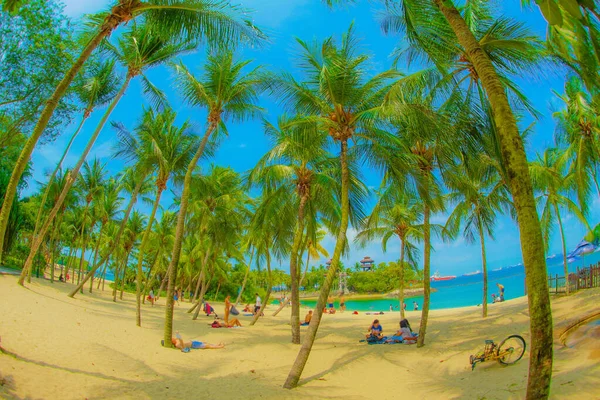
36 47
382 279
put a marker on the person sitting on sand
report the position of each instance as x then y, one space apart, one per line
60 278
405 334
375 331
247 308
307 318
495 299
194 344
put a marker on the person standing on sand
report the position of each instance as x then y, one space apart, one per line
501 289
257 303
151 297
416 306
342 303
176 296
227 308
330 302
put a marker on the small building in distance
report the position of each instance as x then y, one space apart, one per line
367 264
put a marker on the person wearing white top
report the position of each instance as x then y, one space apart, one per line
257 304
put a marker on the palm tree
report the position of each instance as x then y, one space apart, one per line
135 227
478 197
134 181
578 129
297 170
395 214
97 90
337 96
553 185
166 147
442 14
108 208
139 49
91 187
161 240
227 92
214 21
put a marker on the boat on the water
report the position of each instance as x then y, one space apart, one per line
437 277
472 273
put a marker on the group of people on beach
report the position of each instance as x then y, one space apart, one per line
403 335
415 306
497 298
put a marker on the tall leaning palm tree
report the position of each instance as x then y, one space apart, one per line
344 102
553 186
443 14
140 48
214 21
227 92
162 145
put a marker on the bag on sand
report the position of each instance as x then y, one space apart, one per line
234 311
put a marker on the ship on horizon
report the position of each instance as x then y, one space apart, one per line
437 277
472 273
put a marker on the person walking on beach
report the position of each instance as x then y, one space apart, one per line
416 306
176 296
257 303
151 297
501 289
342 303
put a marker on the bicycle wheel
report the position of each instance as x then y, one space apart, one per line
511 350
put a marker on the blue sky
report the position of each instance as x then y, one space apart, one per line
283 20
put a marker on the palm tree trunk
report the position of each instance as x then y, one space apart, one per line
269 287
69 182
55 172
141 250
217 293
484 270
532 244
117 238
83 239
296 370
102 276
52 251
40 127
183 205
564 247
200 278
305 268
202 293
295 318
239 297
116 281
426 271
150 276
95 258
401 286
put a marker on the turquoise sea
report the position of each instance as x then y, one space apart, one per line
467 290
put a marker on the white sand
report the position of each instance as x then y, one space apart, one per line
89 347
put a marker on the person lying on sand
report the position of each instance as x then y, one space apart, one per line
248 308
307 318
179 343
375 330
227 324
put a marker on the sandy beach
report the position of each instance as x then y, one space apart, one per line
90 348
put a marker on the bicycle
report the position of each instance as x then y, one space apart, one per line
508 352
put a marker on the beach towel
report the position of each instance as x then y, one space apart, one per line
248 315
373 340
375 313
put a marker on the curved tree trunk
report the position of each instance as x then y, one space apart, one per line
54 173
401 286
305 268
46 114
69 182
426 273
532 244
140 261
269 287
298 366
183 205
564 248
295 318
200 279
102 276
84 240
117 238
484 270
203 291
